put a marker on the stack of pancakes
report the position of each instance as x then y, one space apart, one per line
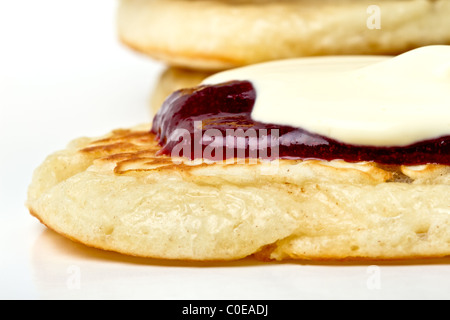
198 37
116 192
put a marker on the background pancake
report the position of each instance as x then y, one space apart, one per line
222 34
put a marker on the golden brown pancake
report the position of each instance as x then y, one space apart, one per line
222 34
115 193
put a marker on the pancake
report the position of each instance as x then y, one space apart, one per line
222 34
115 193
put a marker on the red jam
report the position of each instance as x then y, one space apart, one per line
205 122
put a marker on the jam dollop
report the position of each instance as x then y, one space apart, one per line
214 122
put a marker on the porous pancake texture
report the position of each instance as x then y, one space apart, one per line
115 193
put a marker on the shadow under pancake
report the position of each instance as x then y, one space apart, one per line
54 244
51 243
63 269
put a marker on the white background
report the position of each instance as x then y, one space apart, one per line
64 74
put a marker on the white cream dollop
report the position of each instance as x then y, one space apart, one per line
360 100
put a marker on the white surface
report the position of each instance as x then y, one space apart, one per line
64 75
